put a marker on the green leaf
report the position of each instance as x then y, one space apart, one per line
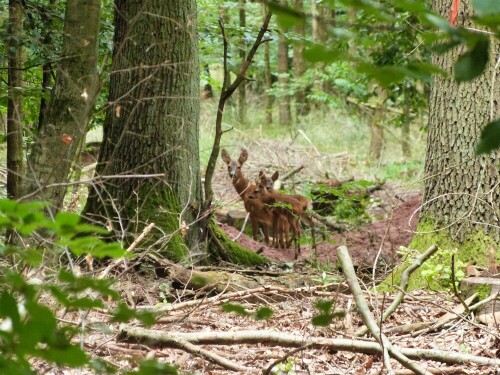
486 7
95 247
264 313
324 306
124 314
286 17
8 309
490 138
231 307
320 53
70 355
153 367
472 63
321 320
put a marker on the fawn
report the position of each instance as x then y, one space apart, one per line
286 211
259 212
303 201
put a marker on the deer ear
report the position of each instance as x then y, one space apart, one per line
243 156
225 156
275 176
262 178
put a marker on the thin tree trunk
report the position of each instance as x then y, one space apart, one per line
268 80
405 132
70 107
285 115
299 64
461 189
242 90
151 127
376 135
47 66
15 99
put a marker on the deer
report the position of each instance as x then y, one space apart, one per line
286 211
258 212
303 201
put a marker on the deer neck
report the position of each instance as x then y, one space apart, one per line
242 186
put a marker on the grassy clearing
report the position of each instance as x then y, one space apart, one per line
336 135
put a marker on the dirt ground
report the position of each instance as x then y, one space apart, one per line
394 221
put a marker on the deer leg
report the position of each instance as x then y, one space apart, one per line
265 229
255 227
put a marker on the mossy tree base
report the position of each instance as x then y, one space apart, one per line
223 248
473 250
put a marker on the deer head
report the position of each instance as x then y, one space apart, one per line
234 166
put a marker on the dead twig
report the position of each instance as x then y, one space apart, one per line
388 350
403 285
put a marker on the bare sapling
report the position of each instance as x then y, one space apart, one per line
259 212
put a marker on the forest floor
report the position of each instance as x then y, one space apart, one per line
394 214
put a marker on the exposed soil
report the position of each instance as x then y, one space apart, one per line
397 223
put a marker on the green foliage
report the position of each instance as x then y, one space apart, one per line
326 315
490 138
28 327
263 313
286 367
347 202
437 270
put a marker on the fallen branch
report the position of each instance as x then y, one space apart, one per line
292 172
238 296
388 349
403 285
328 223
169 339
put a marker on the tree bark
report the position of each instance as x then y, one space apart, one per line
299 64
15 99
242 91
285 115
461 189
151 127
70 107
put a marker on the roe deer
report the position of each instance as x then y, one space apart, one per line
303 201
259 212
286 212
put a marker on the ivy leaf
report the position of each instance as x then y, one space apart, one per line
490 138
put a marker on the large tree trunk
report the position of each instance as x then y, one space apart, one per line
285 114
65 124
151 126
299 64
242 90
462 190
15 99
